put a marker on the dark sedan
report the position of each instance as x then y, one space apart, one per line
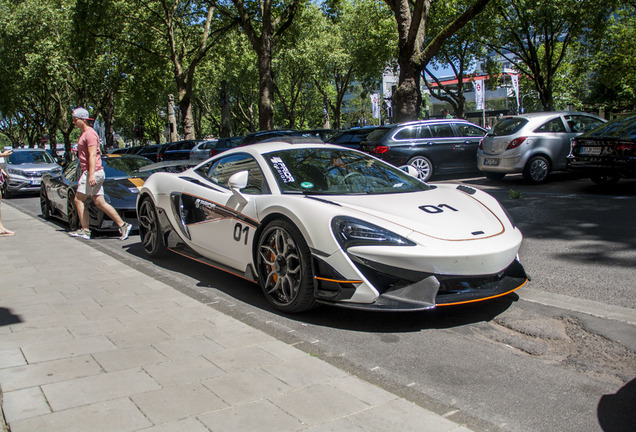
123 180
607 153
432 147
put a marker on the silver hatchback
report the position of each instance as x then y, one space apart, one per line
533 144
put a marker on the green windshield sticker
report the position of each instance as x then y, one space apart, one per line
306 185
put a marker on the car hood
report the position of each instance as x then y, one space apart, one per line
446 212
125 189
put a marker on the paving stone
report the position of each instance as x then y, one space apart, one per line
138 337
27 338
260 416
129 358
187 347
304 371
242 359
119 415
401 415
11 358
173 403
318 404
98 388
184 370
48 372
185 425
242 387
67 348
23 404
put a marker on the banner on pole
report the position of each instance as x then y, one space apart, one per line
479 94
375 105
515 86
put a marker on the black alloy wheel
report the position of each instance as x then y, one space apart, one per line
284 268
71 212
149 229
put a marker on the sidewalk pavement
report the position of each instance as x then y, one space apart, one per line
89 344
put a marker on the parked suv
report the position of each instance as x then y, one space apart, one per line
26 168
534 144
432 147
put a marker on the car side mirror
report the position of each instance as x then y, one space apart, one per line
236 182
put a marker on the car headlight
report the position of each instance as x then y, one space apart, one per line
16 171
355 232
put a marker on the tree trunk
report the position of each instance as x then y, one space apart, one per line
266 88
226 112
408 95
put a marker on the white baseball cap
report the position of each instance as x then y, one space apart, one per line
81 113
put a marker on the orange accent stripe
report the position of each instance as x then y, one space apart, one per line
482 299
211 265
137 182
337 281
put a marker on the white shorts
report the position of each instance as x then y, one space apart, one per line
86 189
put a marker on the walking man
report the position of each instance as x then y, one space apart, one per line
92 178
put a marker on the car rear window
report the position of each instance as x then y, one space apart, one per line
624 128
377 134
508 126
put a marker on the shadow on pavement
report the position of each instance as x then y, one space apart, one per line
8 318
616 411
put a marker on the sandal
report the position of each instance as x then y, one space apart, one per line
6 233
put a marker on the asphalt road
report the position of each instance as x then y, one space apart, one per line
515 364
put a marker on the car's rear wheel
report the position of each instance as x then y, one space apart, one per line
536 170
423 166
45 205
605 180
150 230
71 212
494 175
284 267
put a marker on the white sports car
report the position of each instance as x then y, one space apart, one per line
318 223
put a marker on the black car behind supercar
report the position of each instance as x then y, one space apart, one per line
607 153
121 187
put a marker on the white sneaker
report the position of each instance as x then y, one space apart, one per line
124 230
81 233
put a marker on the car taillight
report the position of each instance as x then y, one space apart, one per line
159 157
481 144
516 143
212 152
625 149
379 149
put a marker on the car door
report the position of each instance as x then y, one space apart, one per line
218 224
466 150
447 149
60 185
553 139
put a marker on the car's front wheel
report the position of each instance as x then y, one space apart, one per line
284 267
150 230
423 166
536 170
45 205
71 212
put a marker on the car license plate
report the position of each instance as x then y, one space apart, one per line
491 161
590 151
35 182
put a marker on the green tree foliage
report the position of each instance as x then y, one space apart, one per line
535 35
613 65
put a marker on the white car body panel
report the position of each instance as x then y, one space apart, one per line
455 231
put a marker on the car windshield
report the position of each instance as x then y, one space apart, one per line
121 167
624 128
333 171
508 126
22 157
